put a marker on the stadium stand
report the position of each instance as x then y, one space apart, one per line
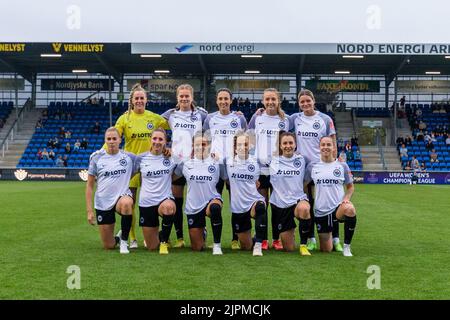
429 123
5 110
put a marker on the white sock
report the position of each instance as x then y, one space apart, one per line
313 240
335 240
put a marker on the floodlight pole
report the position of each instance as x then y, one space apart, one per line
110 101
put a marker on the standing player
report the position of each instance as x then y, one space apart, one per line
309 127
243 173
112 168
267 126
185 121
136 126
202 174
288 199
155 195
223 125
331 202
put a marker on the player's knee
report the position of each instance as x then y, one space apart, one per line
215 211
350 210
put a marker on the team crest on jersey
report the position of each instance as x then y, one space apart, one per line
123 162
194 118
166 162
337 172
316 125
211 169
234 124
251 168
150 126
297 163
282 125
99 218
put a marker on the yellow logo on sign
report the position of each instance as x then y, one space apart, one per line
57 47
12 47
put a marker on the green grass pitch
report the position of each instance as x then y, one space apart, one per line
402 229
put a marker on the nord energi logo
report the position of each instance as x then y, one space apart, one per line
184 48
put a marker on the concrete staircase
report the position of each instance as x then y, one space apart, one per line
403 129
371 158
344 125
21 137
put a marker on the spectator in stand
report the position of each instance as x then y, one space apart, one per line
340 144
259 105
84 144
76 146
414 163
240 103
400 141
68 134
430 145
284 103
45 114
442 110
59 162
39 124
50 143
67 148
61 132
408 141
65 161
247 103
342 156
234 104
403 151
357 155
96 128
434 156
56 143
39 154
418 112
101 101
348 146
422 125
408 166
423 167
354 141
420 136
349 155
447 140
51 154
44 154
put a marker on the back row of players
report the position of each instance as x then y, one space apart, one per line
208 150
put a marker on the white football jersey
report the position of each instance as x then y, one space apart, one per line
329 179
222 129
202 177
113 173
156 177
286 177
243 175
184 125
267 129
309 130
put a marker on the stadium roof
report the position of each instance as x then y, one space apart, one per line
117 59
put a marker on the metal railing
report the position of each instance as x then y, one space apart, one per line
380 149
14 128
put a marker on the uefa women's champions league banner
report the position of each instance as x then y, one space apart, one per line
400 177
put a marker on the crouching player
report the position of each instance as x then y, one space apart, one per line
112 168
331 202
246 203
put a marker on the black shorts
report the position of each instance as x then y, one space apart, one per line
325 223
284 217
106 217
241 222
179 182
197 220
264 182
220 185
148 216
